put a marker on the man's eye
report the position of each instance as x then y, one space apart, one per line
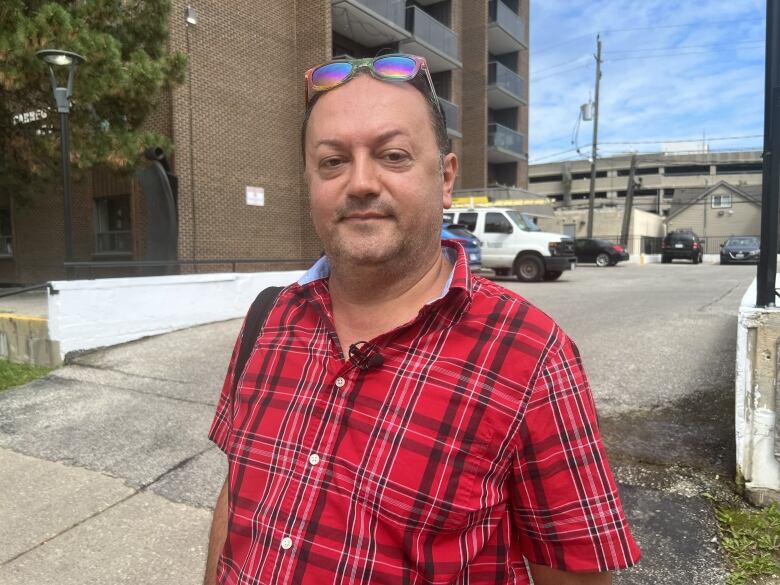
395 156
330 163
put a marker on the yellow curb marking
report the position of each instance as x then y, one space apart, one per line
22 317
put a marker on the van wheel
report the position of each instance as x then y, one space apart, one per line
529 269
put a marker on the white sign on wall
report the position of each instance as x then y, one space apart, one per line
255 196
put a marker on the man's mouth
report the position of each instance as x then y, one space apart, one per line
368 216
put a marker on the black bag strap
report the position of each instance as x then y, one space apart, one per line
255 318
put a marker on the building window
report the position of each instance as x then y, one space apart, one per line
721 201
5 233
113 234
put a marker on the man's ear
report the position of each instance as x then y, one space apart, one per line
449 173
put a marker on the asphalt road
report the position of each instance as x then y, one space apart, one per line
108 476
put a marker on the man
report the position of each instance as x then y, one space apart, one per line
400 420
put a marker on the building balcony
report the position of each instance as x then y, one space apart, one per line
504 144
506 89
452 115
370 23
506 30
431 39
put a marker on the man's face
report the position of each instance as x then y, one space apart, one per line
375 175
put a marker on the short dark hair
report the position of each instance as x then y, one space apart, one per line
435 112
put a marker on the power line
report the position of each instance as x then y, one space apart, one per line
697 24
537 71
684 47
585 66
552 155
690 24
659 56
698 139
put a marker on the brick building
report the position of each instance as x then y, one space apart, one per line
235 123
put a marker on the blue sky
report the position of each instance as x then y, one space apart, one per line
672 70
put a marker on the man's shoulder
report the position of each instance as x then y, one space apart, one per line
512 314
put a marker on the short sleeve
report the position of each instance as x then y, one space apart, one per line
222 424
565 502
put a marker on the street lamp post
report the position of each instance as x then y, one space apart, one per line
57 58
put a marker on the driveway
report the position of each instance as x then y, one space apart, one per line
108 476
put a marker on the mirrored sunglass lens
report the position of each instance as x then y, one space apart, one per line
395 67
330 75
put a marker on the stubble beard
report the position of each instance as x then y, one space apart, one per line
394 251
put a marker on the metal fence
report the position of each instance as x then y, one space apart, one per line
651 245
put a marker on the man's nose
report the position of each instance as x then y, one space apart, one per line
364 177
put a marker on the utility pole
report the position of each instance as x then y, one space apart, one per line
767 265
592 196
629 204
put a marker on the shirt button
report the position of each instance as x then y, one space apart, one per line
286 543
314 459
340 381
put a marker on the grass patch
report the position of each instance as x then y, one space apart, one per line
13 374
751 537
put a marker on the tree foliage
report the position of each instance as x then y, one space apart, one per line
128 67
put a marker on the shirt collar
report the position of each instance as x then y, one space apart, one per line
459 275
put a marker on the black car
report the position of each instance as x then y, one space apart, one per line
740 250
681 244
602 252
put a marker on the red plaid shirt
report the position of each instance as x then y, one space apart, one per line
474 444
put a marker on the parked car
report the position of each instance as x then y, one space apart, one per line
470 242
740 250
602 252
681 244
514 244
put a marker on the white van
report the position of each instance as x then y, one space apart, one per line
513 244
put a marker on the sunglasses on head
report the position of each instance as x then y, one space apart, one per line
396 67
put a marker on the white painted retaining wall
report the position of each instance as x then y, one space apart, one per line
87 314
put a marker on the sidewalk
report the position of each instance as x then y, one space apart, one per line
108 476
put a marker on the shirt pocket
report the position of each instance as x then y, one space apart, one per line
429 483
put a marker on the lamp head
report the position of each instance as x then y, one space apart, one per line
60 58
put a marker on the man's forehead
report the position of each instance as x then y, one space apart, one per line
367 105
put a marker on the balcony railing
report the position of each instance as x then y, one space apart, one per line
503 16
429 30
392 10
506 139
503 77
451 115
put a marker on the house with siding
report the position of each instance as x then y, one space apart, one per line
717 212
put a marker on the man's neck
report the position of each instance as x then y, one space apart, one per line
367 303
